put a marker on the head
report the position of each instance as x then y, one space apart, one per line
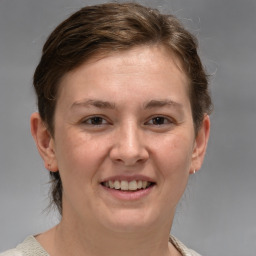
102 30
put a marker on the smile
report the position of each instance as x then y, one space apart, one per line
125 185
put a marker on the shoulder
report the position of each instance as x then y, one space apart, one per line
12 252
182 248
29 247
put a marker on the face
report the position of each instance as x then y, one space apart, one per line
124 140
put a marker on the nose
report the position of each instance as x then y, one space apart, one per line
129 147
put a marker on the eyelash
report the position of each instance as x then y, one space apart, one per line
152 121
164 120
90 120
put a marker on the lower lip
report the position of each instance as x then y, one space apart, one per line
129 195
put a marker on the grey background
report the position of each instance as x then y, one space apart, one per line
217 214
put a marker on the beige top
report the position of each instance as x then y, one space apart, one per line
30 247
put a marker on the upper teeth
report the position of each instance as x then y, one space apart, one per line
126 185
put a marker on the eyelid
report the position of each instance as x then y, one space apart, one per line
88 118
169 119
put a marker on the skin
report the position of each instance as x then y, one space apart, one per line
144 126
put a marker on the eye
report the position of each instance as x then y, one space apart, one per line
95 120
159 120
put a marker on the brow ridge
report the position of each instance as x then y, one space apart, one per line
94 103
110 105
162 103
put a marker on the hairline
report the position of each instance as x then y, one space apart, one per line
102 53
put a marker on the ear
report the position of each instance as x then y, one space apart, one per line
44 142
200 145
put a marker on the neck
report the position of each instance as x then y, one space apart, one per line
105 242
65 239
86 235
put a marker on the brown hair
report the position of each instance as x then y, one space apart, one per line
105 28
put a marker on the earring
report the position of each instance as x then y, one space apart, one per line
194 171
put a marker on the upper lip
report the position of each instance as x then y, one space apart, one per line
128 178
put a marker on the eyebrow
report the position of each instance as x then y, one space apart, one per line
162 103
94 103
110 105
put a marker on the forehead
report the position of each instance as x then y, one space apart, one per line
144 66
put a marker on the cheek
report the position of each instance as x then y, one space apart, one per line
80 154
78 161
174 161
175 172
174 154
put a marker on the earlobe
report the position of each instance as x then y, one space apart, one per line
201 142
44 142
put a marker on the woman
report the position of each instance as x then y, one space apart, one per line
123 121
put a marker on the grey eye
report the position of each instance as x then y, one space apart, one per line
159 120
96 120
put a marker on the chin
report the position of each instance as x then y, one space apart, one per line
130 220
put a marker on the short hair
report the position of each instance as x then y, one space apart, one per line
112 27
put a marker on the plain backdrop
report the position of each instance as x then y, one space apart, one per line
217 214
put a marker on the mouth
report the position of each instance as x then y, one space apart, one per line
130 186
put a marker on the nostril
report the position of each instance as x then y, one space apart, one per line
129 149
128 158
